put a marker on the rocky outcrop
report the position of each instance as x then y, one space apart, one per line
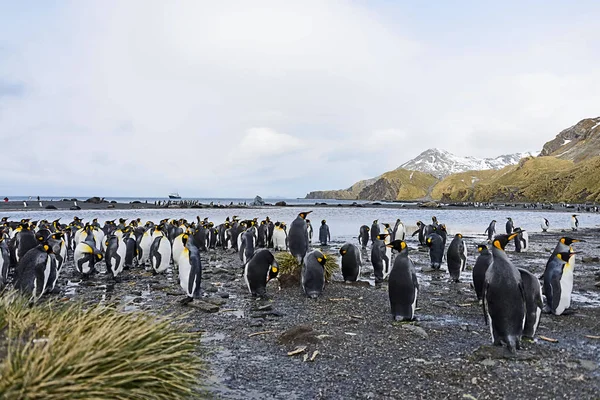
577 143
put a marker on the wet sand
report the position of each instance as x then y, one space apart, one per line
362 353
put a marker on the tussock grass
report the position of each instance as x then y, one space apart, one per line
288 265
57 351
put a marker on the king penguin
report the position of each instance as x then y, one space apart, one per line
363 236
298 237
509 225
533 302
116 251
247 246
261 268
483 262
558 283
4 262
351 262
190 269
491 230
420 231
85 257
375 230
160 251
436 250
403 286
456 257
313 274
399 231
504 297
378 258
280 240
36 272
545 225
574 222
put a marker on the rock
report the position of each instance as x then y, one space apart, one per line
417 330
256 323
215 301
488 362
110 206
138 300
298 334
588 365
51 207
159 287
267 307
281 204
95 200
258 202
212 289
442 304
204 306
74 208
224 295
136 293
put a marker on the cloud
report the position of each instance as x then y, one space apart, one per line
239 98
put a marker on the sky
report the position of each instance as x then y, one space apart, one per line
278 98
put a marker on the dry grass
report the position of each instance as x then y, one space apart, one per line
57 351
288 265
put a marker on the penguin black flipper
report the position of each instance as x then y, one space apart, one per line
483 302
554 298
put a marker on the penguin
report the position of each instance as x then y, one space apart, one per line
436 250
309 229
247 246
190 269
399 231
574 222
441 230
25 240
545 225
85 257
533 302
160 253
420 231
131 249
456 257
563 246
363 236
429 229
144 246
298 237
521 240
378 258
177 248
351 262
558 283
201 238
116 250
491 230
509 225
36 272
324 235
375 230
261 241
403 286
212 236
270 229
259 271
279 237
59 249
504 297
483 262
4 262
312 275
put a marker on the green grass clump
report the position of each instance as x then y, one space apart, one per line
57 351
288 265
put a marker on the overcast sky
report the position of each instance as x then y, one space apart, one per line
225 98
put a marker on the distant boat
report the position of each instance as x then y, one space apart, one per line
174 195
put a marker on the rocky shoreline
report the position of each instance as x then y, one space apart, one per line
262 349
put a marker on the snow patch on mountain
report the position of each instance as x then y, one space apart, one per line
441 163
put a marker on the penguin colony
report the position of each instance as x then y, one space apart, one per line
511 297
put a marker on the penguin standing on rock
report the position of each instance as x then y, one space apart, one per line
403 287
483 262
533 303
259 271
313 274
545 225
190 269
574 223
351 262
504 297
491 230
457 257
363 236
298 237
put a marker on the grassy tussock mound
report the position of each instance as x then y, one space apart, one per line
56 351
290 269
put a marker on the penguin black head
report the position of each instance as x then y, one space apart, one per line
397 245
47 248
99 256
482 247
568 241
375 222
565 256
434 219
184 238
122 220
382 236
509 218
273 271
323 222
493 220
386 225
458 235
419 223
321 258
442 227
500 241
304 214
368 229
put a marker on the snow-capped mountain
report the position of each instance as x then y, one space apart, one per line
441 163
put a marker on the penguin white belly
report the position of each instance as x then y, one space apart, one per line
246 277
184 273
63 255
122 252
388 269
47 270
165 251
239 239
279 239
99 238
145 244
566 287
401 232
81 251
464 262
525 246
177 249
414 304
77 237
